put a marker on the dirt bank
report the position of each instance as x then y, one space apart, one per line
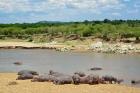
34 87
104 47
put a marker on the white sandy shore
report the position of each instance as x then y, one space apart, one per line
77 47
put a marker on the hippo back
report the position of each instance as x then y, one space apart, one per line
81 74
65 79
25 76
27 72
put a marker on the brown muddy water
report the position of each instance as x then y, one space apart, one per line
126 67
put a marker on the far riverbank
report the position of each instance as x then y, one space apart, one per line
96 46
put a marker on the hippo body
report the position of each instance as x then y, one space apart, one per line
89 79
79 80
110 79
56 74
93 79
25 76
44 78
65 79
27 72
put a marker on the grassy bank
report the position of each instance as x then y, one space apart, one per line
37 87
107 30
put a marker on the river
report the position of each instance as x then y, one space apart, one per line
122 66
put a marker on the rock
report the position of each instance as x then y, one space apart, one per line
97 45
53 43
110 48
123 49
64 49
130 47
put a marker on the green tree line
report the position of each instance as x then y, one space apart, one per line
106 29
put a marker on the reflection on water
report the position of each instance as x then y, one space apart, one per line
121 66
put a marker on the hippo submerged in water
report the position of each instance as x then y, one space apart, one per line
95 68
17 63
56 74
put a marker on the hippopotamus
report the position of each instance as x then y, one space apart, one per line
95 68
111 79
43 78
60 78
56 74
94 79
27 72
25 76
79 80
81 74
135 81
89 79
17 63
76 79
65 79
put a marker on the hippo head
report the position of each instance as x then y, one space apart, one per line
76 79
51 72
81 74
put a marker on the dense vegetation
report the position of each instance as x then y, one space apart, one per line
106 29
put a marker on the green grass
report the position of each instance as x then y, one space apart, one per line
45 32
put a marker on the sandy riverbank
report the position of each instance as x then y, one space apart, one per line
36 87
105 47
31 45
